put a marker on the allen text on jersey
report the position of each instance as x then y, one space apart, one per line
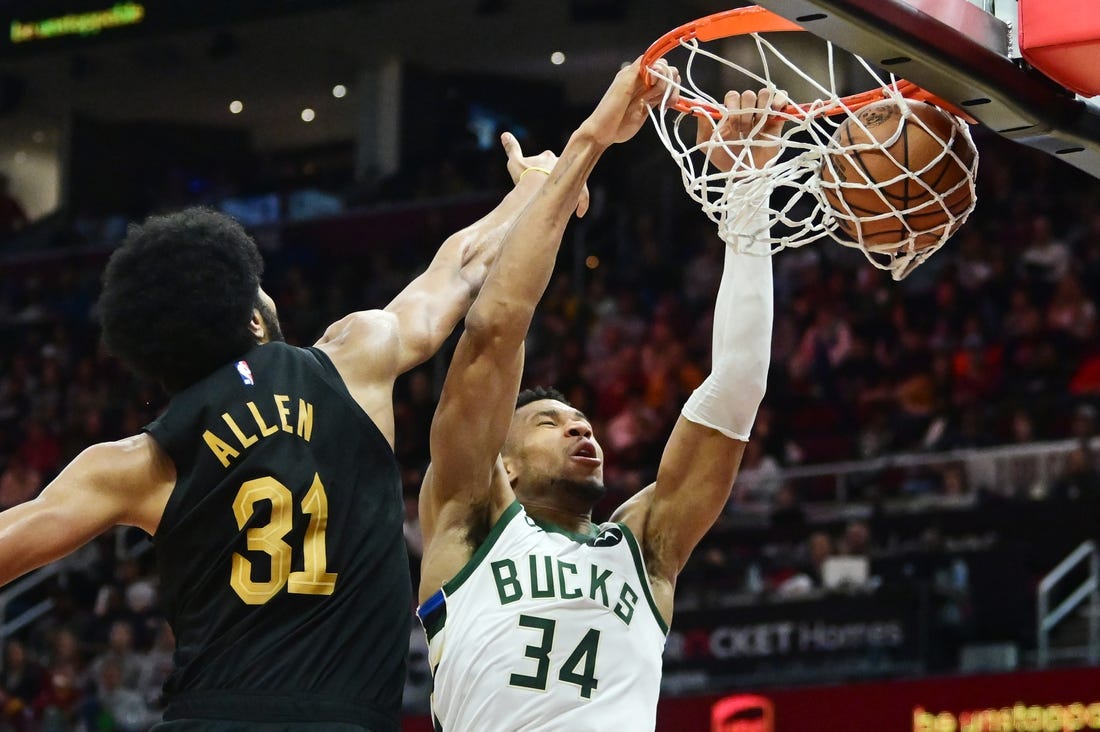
248 425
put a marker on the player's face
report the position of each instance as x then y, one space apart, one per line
555 442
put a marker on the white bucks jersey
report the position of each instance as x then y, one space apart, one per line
546 630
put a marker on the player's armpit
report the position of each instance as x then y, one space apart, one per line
453 529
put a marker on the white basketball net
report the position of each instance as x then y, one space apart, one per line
789 189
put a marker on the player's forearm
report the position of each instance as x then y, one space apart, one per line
432 305
30 537
462 263
477 247
522 271
729 398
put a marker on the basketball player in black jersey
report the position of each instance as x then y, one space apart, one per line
269 484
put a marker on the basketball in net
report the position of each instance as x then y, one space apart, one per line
897 175
889 171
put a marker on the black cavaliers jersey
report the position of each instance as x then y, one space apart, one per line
282 562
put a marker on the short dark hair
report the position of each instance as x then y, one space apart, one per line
178 295
538 393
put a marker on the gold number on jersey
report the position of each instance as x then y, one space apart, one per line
271 539
313 579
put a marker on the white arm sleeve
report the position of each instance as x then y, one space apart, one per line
730 396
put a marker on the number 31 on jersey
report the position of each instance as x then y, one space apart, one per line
271 539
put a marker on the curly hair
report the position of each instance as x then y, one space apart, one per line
537 393
178 296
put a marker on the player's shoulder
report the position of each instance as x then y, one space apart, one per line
134 474
129 459
363 346
351 329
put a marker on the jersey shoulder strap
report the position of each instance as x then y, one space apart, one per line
615 532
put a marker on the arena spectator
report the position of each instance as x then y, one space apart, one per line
117 706
19 686
758 479
19 481
59 704
1080 479
807 574
1046 259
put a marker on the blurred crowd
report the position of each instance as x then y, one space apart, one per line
991 342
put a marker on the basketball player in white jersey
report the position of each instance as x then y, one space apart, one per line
536 618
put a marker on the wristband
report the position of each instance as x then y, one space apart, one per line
528 170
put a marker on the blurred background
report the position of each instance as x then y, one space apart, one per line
924 458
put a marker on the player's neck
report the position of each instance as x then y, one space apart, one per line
571 520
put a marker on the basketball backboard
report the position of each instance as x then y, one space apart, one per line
964 54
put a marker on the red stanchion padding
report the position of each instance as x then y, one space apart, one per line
1061 38
743 713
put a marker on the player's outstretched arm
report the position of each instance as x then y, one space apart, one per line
124 482
476 403
429 308
703 454
478 398
371 348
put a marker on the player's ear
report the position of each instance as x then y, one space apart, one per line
256 326
511 469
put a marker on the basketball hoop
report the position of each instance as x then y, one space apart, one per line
799 190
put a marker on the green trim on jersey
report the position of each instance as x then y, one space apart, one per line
455 582
550 528
639 564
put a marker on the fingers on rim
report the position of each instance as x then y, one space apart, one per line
766 98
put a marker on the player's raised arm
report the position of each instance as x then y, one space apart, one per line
474 411
478 397
702 456
371 348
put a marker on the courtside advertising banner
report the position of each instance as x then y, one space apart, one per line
1052 701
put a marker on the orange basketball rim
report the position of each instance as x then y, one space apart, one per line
755 19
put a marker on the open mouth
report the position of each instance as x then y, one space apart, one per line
585 452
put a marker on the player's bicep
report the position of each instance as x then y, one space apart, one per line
694 480
72 510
